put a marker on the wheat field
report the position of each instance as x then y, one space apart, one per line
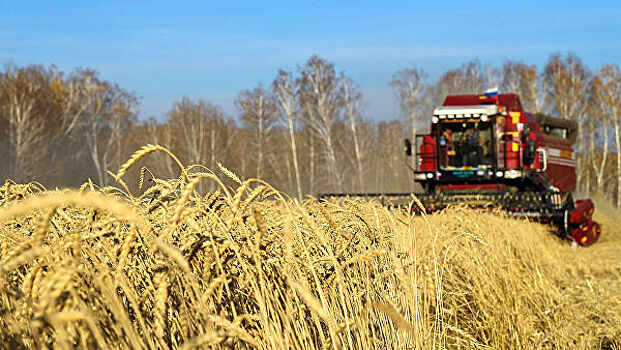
247 267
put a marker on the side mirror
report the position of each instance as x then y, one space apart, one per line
408 147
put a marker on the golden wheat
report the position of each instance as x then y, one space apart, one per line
245 267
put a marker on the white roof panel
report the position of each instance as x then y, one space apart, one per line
464 110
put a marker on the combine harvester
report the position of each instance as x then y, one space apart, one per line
486 152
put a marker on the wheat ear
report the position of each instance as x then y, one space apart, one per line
143 152
229 173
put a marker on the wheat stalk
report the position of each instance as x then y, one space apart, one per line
161 295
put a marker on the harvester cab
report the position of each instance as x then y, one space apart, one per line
485 151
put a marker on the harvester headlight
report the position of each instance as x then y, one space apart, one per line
420 176
483 117
499 174
512 174
430 175
435 119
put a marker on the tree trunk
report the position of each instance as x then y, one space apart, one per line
94 150
600 172
332 163
591 148
352 123
312 163
580 153
260 155
415 165
212 184
618 144
294 154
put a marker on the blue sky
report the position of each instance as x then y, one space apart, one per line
214 49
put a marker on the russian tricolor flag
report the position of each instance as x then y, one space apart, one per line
493 92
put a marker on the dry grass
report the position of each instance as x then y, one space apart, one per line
248 268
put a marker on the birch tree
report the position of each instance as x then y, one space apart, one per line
67 140
409 85
391 174
258 113
610 99
284 90
70 97
93 125
24 107
473 79
321 103
121 117
161 135
352 101
468 79
200 134
191 125
597 125
108 115
522 79
568 90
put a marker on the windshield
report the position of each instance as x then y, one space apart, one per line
465 145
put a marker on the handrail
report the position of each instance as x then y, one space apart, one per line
544 156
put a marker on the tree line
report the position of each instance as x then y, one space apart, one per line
305 132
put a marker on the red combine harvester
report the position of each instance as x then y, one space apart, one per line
486 152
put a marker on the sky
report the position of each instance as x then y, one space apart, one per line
212 50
